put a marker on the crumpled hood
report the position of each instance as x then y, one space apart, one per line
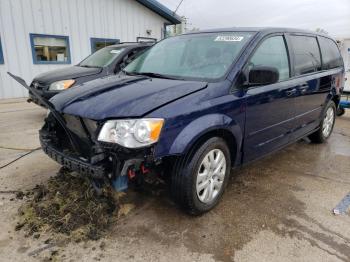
115 96
71 72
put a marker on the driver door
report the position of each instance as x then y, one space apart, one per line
269 108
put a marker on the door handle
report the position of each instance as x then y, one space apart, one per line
291 92
303 88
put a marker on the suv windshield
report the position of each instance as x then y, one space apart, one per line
193 56
102 57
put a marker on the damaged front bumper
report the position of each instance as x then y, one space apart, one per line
71 162
102 162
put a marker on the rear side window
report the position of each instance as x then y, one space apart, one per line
272 52
330 53
307 58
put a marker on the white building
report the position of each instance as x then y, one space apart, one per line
345 51
42 35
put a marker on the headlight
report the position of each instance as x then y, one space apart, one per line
132 133
61 85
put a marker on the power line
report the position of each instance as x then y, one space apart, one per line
178 6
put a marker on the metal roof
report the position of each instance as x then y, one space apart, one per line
161 10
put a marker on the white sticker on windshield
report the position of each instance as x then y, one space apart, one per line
229 38
115 51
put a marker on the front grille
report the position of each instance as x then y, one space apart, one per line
91 127
74 124
83 134
82 127
38 85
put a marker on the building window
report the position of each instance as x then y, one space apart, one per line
1 54
141 39
50 49
98 43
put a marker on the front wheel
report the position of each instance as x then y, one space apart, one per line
327 124
199 182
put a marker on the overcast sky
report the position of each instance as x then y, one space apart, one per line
330 15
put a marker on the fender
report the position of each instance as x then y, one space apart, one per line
199 127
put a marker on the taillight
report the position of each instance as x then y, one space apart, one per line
339 82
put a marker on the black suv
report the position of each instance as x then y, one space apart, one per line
106 61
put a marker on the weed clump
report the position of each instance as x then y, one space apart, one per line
68 205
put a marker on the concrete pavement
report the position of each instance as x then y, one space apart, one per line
276 209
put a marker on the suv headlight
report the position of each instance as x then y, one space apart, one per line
132 133
61 85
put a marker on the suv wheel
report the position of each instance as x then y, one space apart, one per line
327 124
199 181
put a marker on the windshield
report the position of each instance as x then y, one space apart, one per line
102 57
194 56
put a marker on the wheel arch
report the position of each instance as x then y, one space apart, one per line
225 134
200 130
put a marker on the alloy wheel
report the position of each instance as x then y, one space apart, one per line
328 122
210 176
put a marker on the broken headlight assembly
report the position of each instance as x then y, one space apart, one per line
61 85
131 133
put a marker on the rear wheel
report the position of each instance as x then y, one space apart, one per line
327 124
199 181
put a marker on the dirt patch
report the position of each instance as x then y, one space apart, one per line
69 207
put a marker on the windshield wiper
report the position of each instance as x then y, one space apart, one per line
89 66
151 74
156 75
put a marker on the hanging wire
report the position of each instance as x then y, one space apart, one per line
178 6
18 158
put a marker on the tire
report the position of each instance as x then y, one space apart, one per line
320 136
340 111
184 182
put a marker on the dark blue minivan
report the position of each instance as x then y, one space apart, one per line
194 106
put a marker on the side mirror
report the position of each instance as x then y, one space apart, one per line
263 75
